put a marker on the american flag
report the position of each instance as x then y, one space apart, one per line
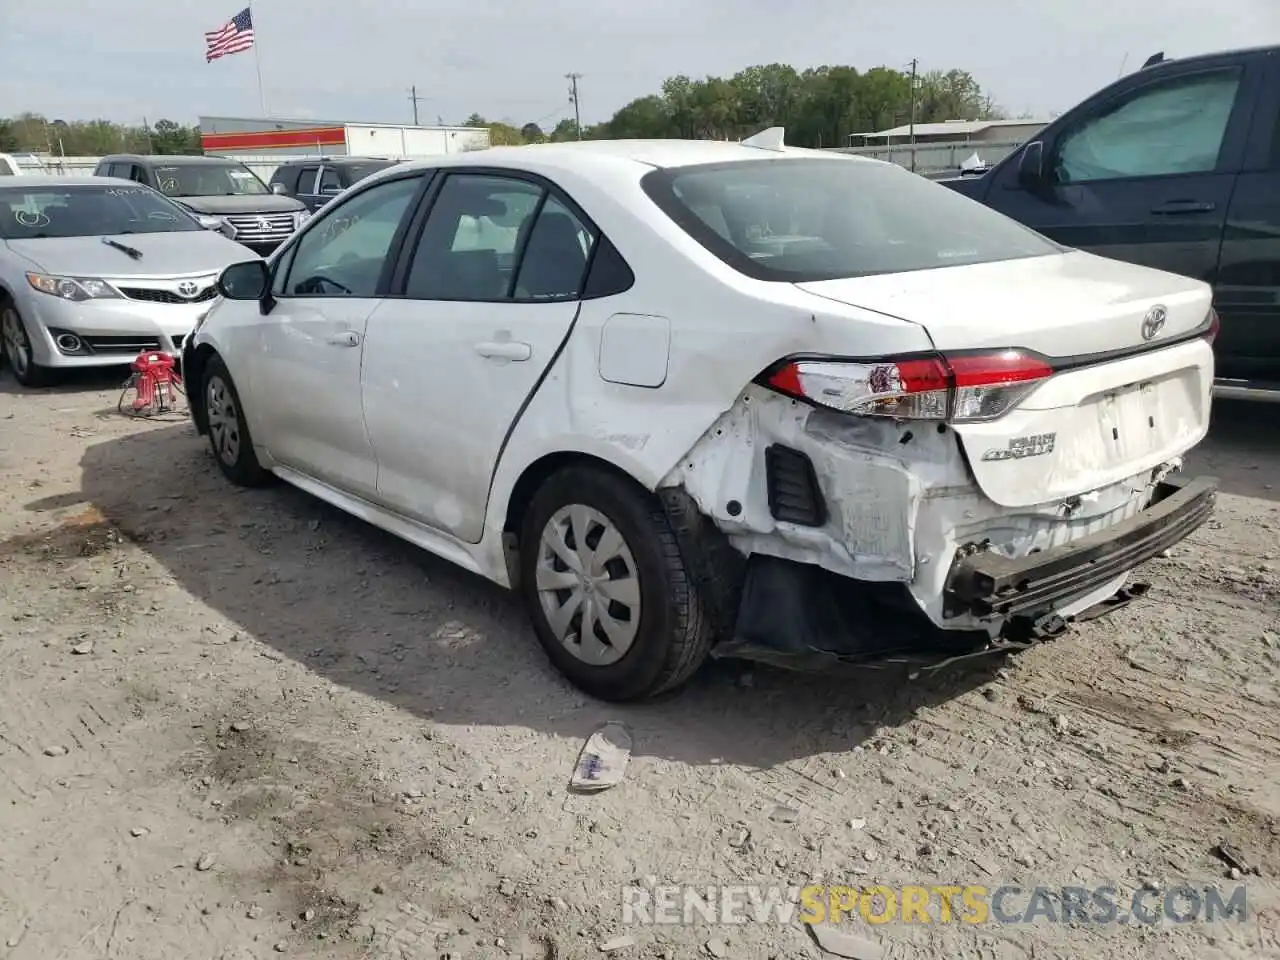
235 36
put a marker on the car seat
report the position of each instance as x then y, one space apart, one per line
554 260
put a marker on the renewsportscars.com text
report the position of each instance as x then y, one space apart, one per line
969 904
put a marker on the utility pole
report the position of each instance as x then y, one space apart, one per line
573 79
912 121
415 100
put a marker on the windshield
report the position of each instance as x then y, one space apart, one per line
800 220
34 213
208 180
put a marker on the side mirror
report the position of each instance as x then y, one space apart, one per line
279 189
249 280
1031 165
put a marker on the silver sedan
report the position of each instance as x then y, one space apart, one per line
94 270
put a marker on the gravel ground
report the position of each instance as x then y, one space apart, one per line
241 724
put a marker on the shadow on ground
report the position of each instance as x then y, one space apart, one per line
1242 449
86 380
370 612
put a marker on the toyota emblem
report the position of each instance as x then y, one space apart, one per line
1153 322
264 223
188 288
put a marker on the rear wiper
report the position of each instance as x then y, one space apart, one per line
133 252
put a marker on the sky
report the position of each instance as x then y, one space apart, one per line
506 59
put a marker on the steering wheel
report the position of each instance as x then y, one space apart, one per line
316 282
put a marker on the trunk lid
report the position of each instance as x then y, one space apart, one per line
1118 404
1064 305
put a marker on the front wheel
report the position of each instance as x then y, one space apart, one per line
606 587
16 346
228 429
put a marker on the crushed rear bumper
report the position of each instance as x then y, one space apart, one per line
988 584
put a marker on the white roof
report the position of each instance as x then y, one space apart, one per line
964 127
650 153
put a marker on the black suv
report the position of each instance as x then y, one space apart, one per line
1176 166
224 194
317 180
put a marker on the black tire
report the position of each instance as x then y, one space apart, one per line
674 633
232 448
25 370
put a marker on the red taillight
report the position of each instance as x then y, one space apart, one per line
962 388
1214 324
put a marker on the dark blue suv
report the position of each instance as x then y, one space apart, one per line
1176 166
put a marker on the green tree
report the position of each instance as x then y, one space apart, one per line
820 107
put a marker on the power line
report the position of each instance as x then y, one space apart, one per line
573 79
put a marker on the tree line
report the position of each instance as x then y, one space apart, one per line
819 106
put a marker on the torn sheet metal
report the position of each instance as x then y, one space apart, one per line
900 502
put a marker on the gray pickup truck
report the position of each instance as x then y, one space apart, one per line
224 194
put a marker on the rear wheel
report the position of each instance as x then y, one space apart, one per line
606 587
16 345
228 429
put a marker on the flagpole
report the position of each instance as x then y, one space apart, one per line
257 65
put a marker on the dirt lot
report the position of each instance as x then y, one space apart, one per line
240 724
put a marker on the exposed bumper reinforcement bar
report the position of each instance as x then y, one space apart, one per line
987 584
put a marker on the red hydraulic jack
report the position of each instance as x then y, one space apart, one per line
155 383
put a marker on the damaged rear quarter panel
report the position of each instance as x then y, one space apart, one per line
900 497
723 335
873 475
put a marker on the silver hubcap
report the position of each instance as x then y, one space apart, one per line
224 424
15 341
587 584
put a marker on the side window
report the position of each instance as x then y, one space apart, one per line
1168 127
468 246
555 255
343 250
137 173
117 170
287 177
307 180
330 182
610 274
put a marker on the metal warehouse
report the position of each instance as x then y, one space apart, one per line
273 137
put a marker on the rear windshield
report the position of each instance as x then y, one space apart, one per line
801 220
208 180
34 213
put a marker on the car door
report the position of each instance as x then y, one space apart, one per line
1143 172
482 302
307 177
306 370
1248 291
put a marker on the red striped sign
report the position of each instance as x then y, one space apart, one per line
273 139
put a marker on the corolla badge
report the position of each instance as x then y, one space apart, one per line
1154 321
188 288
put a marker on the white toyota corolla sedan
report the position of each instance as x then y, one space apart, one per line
698 398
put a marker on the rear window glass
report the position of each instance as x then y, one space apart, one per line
799 220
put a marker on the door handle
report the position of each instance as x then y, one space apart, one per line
348 338
1184 206
504 350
